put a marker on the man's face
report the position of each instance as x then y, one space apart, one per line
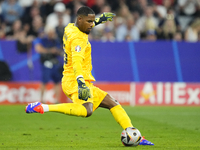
51 34
85 23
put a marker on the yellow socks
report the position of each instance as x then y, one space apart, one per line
79 110
69 109
121 116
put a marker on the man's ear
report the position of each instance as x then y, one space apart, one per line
79 18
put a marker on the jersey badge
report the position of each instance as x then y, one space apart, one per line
77 48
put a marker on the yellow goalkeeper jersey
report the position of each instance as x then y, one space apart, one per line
77 56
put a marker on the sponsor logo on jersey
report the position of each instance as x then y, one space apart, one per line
77 48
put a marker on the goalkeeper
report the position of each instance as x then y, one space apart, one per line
77 78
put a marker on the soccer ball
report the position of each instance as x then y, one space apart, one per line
131 137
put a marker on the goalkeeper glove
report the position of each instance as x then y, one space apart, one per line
106 16
83 90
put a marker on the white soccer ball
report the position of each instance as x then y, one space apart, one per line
131 137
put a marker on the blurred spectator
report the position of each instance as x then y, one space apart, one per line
137 7
147 22
36 14
168 26
19 34
115 5
30 11
188 7
90 3
2 34
128 30
47 7
98 6
121 17
49 49
37 27
2 30
191 34
161 9
178 36
77 5
26 3
11 11
108 35
66 1
28 18
168 29
199 36
59 11
60 29
73 6
151 35
5 73
158 2
123 11
170 12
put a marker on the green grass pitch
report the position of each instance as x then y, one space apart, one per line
169 128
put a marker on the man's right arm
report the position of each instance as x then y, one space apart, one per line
78 50
83 90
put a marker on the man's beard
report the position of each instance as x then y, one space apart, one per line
87 32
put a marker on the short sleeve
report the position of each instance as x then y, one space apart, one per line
37 41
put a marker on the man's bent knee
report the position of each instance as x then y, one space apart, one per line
109 102
89 108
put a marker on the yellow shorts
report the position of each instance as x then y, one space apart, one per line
70 88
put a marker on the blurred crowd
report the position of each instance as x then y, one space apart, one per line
24 20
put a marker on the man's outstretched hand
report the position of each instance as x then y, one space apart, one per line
106 16
83 90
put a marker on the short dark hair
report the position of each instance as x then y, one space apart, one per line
85 11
